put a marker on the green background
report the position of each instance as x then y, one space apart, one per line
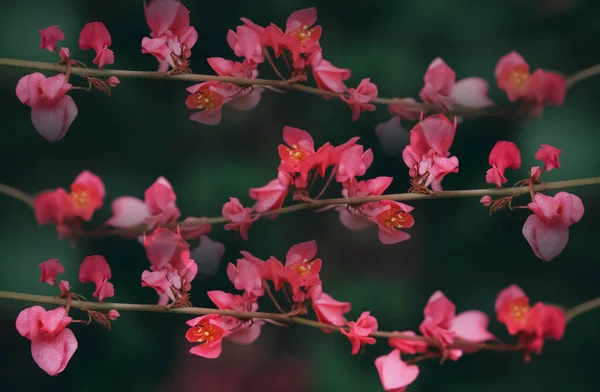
142 131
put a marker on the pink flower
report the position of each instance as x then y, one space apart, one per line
540 88
328 76
357 218
55 207
504 155
158 207
242 331
360 97
327 309
547 229
246 43
113 314
50 37
354 162
172 36
408 346
442 90
208 333
548 155
486 200
395 375
272 195
299 146
240 98
535 173
113 81
50 269
95 269
428 156
360 330
533 325
246 275
52 111
64 54
88 194
301 259
52 344
240 218
391 216
208 99
95 36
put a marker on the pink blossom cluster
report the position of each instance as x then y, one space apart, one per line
547 229
52 110
52 343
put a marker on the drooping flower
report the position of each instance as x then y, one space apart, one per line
50 37
428 156
52 110
95 36
208 333
239 218
361 97
533 90
52 344
360 331
504 155
96 270
395 375
442 90
50 269
548 155
547 229
272 195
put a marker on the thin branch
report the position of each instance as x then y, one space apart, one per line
280 84
314 204
277 317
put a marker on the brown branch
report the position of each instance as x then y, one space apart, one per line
313 203
277 317
280 84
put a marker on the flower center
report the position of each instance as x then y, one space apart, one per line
204 333
204 99
304 34
519 308
295 153
519 76
394 219
303 268
80 195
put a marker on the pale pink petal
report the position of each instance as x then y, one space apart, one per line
246 335
304 250
472 326
394 373
298 19
212 117
208 255
471 93
28 321
127 212
211 351
53 122
392 137
546 241
53 354
353 221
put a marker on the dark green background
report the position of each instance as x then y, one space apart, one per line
143 131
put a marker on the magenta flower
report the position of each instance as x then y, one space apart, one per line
50 269
242 332
395 375
52 111
548 155
245 42
240 218
327 309
50 37
360 331
246 274
328 76
408 346
96 270
547 229
95 36
208 333
504 155
272 195
360 97
52 344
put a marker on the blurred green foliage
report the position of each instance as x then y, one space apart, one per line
142 131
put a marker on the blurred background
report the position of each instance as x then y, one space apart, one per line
142 131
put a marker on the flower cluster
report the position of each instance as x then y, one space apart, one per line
52 343
52 110
547 229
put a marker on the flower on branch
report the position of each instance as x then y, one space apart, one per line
50 37
95 36
504 155
95 269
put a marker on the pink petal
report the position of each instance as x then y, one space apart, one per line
212 117
392 137
394 373
509 294
546 241
211 351
246 335
298 19
127 212
471 93
94 269
472 326
53 122
298 137
53 354
28 321
304 250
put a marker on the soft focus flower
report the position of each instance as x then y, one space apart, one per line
50 269
354 162
208 255
50 37
534 90
52 344
113 314
360 97
208 333
442 90
95 36
428 156
240 218
486 200
395 375
52 111
113 81
504 155
548 155
245 42
88 194
96 270
393 138
408 346
242 331
360 330
547 229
